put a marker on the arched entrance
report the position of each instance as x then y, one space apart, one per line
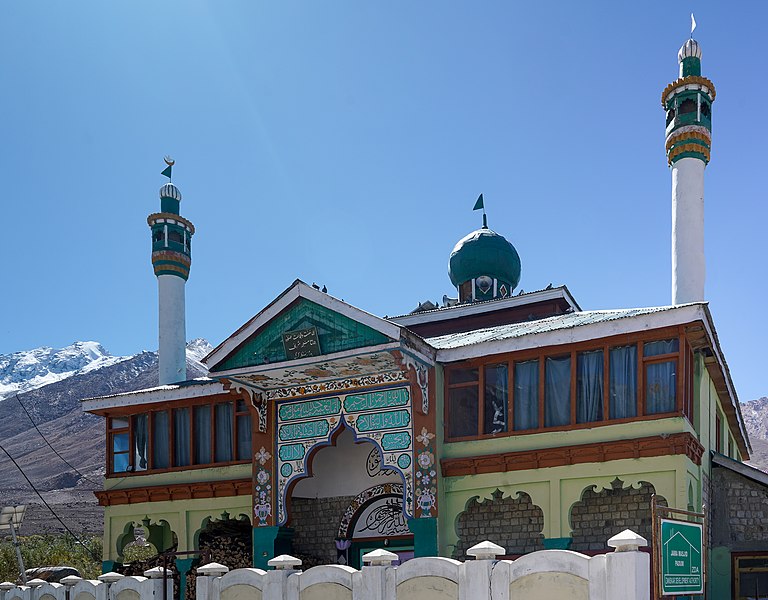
347 501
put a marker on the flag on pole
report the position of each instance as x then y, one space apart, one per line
167 171
693 24
479 204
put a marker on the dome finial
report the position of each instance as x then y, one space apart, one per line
479 204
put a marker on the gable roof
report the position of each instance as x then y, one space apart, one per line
296 291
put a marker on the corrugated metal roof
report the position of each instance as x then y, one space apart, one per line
559 322
159 388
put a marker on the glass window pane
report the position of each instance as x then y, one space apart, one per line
244 451
496 399
526 410
224 432
462 375
753 586
160 438
623 382
660 347
660 387
202 438
557 391
181 437
462 413
120 463
120 442
140 442
119 423
589 387
241 407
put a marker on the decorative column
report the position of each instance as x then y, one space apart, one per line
688 104
171 259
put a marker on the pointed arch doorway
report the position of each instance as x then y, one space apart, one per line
347 504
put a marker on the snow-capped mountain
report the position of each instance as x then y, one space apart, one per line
31 369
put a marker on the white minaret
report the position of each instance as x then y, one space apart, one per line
688 103
171 259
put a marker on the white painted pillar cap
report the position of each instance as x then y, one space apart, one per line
380 558
155 572
110 577
627 541
7 585
486 551
212 570
36 583
70 580
285 562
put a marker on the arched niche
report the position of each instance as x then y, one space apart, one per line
337 472
158 535
514 522
602 512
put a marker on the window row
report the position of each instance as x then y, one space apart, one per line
180 437
613 382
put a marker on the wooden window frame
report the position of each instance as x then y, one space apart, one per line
111 432
683 358
169 408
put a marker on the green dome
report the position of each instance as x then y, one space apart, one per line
484 252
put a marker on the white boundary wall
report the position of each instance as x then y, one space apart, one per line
544 575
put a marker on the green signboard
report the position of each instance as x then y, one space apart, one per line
681 558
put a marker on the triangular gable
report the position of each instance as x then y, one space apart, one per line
339 327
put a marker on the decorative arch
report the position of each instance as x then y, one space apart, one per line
514 522
212 521
602 513
400 463
159 534
364 500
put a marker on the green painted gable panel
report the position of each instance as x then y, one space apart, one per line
335 332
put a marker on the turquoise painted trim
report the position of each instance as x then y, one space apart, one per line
396 441
291 452
304 431
424 536
376 400
719 573
691 65
336 333
321 407
107 566
557 543
698 155
689 141
395 419
169 205
183 565
175 273
269 542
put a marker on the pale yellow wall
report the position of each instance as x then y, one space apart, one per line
557 489
176 477
548 586
552 439
185 518
428 588
326 591
241 592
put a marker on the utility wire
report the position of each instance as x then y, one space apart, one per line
70 465
48 506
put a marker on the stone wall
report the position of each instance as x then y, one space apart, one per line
602 514
315 522
739 515
514 523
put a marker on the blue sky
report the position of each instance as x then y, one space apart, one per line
346 142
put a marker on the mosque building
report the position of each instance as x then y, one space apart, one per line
325 431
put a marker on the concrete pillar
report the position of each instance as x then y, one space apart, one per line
688 265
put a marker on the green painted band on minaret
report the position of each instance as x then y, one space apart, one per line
169 205
689 154
690 65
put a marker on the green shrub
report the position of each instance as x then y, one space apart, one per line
51 551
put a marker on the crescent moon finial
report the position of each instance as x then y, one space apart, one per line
169 161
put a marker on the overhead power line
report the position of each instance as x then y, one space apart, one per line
70 465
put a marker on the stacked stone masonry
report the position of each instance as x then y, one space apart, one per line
315 522
742 524
604 513
514 523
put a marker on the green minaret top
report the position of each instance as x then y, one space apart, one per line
171 233
688 104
